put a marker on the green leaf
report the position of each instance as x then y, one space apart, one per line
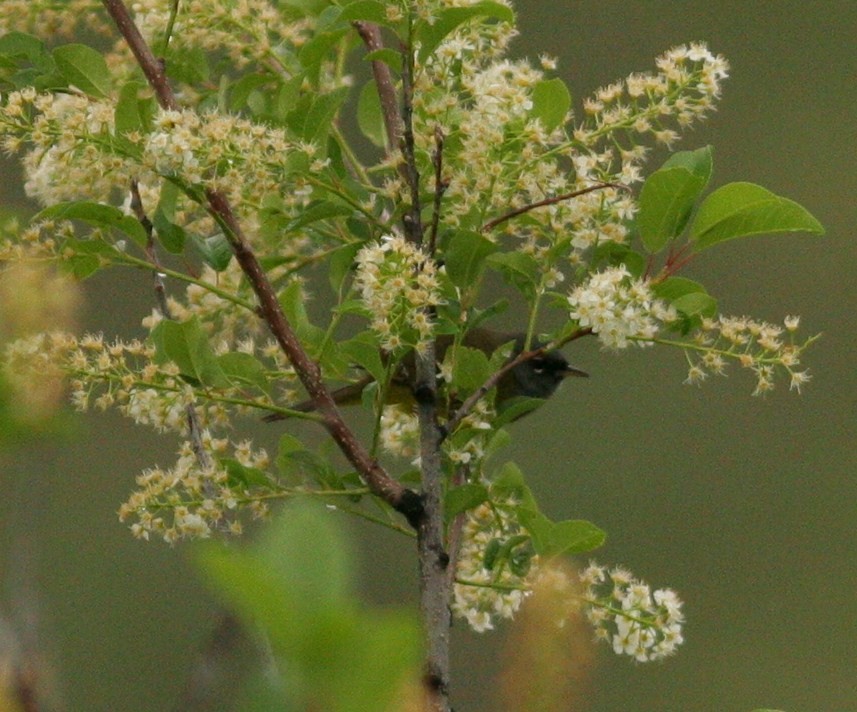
84 68
674 287
189 65
215 250
388 56
365 351
465 255
572 536
430 35
82 258
97 214
241 476
516 407
367 11
460 499
20 44
186 345
744 209
666 202
699 162
471 368
244 369
370 119
340 263
509 483
313 115
696 303
293 301
319 48
127 116
316 211
170 235
551 102
518 269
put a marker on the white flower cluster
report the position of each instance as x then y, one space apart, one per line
618 309
400 432
481 595
398 283
189 500
758 346
248 29
628 615
231 154
67 138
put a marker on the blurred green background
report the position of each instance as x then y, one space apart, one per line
746 506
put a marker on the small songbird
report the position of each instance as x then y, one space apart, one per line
538 377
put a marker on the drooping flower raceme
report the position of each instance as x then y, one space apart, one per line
398 283
489 587
628 615
618 308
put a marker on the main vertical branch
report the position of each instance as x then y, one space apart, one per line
435 588
435 581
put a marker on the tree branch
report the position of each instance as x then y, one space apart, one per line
491 224
382 485
435 582
370 33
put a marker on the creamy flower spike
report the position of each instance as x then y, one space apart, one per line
619 309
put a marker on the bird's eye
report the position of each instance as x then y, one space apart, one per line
538 370
538 366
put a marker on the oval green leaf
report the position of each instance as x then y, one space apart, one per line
745 209
666 201
83 67
551 102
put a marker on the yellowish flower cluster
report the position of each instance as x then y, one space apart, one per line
70 154
233 155
400 432
487 591
762 347
50 19
191 500
619 309
398 284
503 156
247 30
125 375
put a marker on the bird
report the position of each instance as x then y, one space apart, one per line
536 378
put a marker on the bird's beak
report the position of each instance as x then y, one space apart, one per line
572 371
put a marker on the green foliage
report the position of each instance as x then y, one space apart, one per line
187 346
97 215
745 209
83 67
294 584
431 34
550 539
551 102
671 194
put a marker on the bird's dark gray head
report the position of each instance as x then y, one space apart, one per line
539 377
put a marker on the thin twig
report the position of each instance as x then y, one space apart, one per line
151 251
491 224
440 186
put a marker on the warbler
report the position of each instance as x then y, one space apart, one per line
538 377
